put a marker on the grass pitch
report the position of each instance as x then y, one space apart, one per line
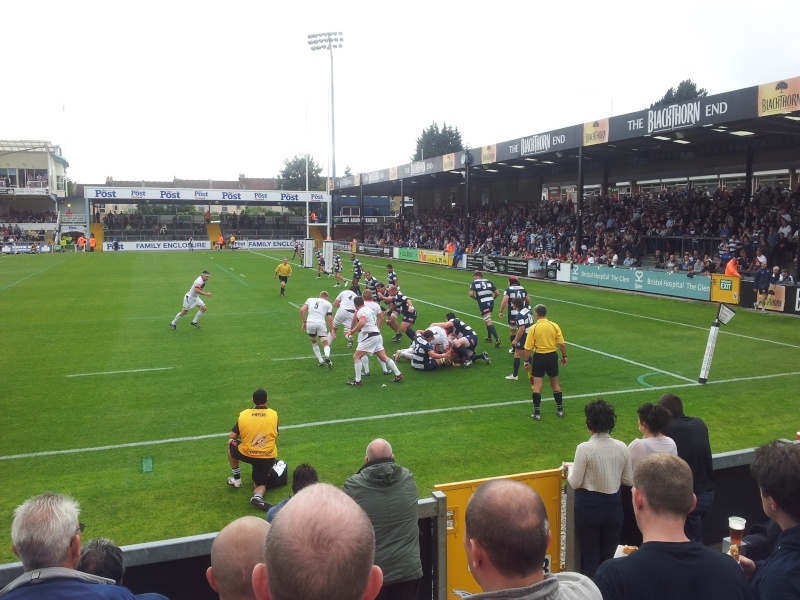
94 380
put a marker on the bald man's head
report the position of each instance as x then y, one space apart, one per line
234 553
321 547
509 521
378 449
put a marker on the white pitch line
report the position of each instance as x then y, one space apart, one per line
308 357
414 413
2 289
266 256
722 331
117 372
633 362
614 356
231 274
627 314
619 312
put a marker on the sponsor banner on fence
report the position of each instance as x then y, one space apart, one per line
342 246
373 250
264 244
776 300
436 257
522 267
25 191
155 246
26 249
408 254
355 220
652 282
197 196
780 298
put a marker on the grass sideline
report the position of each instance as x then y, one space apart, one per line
92 372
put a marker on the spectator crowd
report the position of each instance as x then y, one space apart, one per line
686 230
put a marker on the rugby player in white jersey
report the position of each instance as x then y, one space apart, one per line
375 307
317 317
192 299
370 341
345 312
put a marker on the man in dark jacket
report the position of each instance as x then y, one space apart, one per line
668 565
388 494
691 438
761 282
776 469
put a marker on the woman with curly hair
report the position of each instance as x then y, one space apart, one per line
601 466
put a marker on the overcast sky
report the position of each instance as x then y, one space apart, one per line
197 90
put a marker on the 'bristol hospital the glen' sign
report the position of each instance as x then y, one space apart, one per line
666 284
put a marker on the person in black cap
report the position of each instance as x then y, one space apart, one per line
252 440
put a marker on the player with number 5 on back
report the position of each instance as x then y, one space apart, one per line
317 317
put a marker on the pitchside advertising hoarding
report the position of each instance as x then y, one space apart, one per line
505 265
25 248
436 257
373 250
194 196
200 245
637 280
780 298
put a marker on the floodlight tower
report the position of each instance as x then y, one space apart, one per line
328 41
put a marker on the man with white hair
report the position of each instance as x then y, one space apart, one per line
320 547
46 535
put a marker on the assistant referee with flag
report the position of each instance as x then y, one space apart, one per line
543 337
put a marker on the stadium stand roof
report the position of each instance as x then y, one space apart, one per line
761 120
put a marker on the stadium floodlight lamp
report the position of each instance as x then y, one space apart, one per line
329 41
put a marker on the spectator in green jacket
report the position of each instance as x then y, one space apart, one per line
388 494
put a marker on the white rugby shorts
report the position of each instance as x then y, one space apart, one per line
189 302
343 317
370 345
315 328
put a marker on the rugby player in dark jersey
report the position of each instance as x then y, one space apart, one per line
524 320
466 339
402 305
514 290
391 276
484 292
425 358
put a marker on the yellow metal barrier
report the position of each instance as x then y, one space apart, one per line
548 485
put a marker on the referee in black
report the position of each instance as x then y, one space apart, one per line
543 337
